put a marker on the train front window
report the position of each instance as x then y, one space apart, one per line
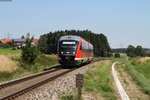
68 43
68 46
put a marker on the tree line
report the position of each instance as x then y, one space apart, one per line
48 42
137 51
133 51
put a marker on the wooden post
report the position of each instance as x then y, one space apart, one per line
79 84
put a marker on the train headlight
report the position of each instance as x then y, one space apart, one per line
73 52
62 52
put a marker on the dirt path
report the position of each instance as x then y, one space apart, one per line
119 86
130 86
92 96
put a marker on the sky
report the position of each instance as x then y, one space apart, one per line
123 22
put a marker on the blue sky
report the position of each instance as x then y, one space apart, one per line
124 22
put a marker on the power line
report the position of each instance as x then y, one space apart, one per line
8 35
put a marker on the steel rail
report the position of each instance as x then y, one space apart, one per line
27 89
17 81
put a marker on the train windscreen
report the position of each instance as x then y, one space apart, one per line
68 43
68 46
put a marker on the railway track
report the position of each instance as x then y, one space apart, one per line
16 88
17 81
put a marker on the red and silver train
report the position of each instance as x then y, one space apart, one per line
74 50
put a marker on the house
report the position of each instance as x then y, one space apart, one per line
18 41
4 41
21 42
35 41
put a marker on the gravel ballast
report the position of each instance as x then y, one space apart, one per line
55 89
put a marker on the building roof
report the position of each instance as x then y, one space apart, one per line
35 41
70 37
19 40
4 41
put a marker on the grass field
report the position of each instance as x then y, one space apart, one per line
123 55
144 69
139 69
8 51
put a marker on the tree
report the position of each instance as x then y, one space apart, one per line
1 43
48 42
131 51
29 51
22 37
140 51
117 55
6 45
43 44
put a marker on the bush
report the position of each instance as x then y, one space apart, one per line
117 55
29 51
6 45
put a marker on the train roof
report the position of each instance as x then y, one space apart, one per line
70 37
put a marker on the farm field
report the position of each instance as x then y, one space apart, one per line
139 70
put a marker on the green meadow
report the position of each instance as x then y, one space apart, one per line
9 51
139 69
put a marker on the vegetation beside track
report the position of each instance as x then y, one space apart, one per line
139 69
98 81
42 62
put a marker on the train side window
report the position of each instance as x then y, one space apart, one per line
87 47
91 48
83 46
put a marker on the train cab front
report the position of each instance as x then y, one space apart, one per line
67 52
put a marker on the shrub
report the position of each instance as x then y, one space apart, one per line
29 51
117 55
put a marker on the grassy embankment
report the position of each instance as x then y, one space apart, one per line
98 82
11 68
139 69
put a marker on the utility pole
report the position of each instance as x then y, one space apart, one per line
8 36
121 47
